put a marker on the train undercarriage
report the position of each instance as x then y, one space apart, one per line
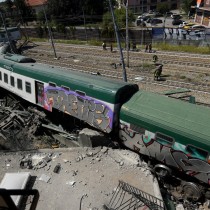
184 189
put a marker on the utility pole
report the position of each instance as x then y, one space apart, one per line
127 35
118 42
164 24
142 27
84 24
49 31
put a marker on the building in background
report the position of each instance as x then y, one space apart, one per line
137 6
202 12
36 5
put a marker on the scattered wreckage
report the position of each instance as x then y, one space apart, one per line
27 128
41 170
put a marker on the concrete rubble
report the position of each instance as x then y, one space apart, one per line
86 177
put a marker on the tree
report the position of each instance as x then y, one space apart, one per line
120 15
9 5
186 5
162 8
91 8
25 10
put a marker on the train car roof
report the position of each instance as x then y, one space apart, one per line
105 89
188 123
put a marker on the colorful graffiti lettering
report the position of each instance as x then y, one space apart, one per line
94 112
173 156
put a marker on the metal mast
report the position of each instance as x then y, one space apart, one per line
118 42
127 35
49 31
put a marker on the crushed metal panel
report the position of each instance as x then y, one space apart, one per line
15 181
127 197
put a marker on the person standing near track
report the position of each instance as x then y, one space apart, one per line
104 45
150 47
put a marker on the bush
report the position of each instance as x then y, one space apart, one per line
40 31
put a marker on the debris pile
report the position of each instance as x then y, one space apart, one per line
26 128
18 127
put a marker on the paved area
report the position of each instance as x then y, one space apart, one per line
88 173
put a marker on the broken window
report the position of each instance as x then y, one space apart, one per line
19 84
12 81
164 139
28 87
137 128
5 78
52 84
80 93
197 152
65 88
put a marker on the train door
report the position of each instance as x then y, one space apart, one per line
39 93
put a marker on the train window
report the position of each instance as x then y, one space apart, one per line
138 129
28 87
19 84
0 76
5 78
80 93
164 139
52 84
65 88
196 152
12 81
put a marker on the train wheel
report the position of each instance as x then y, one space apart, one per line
162 170
191 191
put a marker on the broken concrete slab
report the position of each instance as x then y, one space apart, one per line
97 180
92 138
44 178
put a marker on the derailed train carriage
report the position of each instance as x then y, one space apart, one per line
173 134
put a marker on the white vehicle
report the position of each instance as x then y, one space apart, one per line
176 16
182 25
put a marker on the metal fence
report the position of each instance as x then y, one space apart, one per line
127 197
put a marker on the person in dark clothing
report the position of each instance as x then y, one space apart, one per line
150 48
146 47
134 46
111 48
158 72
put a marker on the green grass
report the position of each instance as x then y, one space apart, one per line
182 48
73 41
159 46
76 41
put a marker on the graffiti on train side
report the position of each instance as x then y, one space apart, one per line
146 144
81 106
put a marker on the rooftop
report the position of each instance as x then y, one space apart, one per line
34 3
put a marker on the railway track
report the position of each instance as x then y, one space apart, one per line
169 68
131 76
91 59
171 65
183 58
